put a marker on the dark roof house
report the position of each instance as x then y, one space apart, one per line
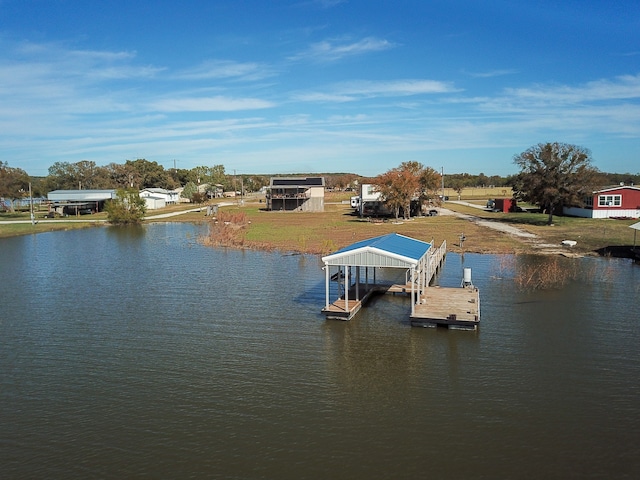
305 194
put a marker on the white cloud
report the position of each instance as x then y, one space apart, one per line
333 50
397 88
623 87
358 90
321 97
210 104
492 73
221 69
55 61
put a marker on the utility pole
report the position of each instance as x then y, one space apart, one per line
442 177
33 217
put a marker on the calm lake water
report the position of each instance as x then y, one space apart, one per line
139 353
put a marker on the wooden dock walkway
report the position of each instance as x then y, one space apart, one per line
438 306
339 310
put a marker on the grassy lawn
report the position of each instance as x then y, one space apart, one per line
337 227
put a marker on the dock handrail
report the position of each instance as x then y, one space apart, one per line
433 260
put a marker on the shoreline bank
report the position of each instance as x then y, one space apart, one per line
325 232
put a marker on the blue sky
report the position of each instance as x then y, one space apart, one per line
303 86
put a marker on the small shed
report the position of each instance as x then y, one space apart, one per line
505 205
153 203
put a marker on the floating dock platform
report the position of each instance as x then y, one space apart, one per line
448 307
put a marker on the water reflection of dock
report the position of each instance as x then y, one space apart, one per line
458 307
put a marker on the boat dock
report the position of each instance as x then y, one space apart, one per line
458 307
450 307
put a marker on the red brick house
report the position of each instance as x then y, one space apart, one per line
613 202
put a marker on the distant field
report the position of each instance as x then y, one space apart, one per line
467 194
479 193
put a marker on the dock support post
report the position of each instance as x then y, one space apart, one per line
413 288
327 277
347 282
421 277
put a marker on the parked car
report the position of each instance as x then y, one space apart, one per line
433 213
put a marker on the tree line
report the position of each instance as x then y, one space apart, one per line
551 175
133 174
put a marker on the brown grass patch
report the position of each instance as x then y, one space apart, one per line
547 274
228 229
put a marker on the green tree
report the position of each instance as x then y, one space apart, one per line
430 183
189 190
181 175
146 174
458 186
217 175
14 183
120 175
62 176
82 175
201 174
127 208
552 175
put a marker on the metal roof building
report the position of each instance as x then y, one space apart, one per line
387 251
392 250
73 201
81 195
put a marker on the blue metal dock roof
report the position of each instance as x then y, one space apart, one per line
391 250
